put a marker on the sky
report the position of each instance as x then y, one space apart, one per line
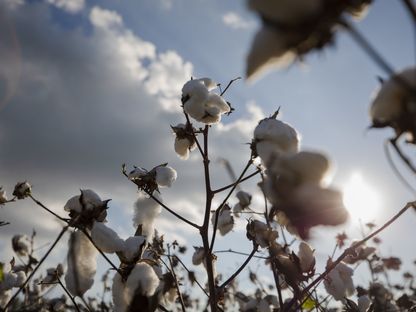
86 86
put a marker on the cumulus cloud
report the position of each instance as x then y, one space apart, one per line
235 21
71 6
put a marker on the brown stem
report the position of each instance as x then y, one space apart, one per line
176 281
218 210
232 277
239 253
196 281
233 184
405 159
36 268
229 85
351 250
68 293
48 210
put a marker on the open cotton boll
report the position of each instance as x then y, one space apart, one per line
82 264
288 12
146 210
133 247
306 257
339 282
182 147
268 50
196 90
21 244
260 233
90 200
3 196
165 176
225 221
209 83
198 256
142 280
119 296
274 137
244 198
105 238
137 173
392 98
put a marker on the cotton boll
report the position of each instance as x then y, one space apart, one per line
3 196
90 200
260 233
391 99
165 176
22 190
339 282
209 83
5 297
21 244
269 49
225 221
288 12
137 173
363 303
182 147
244 198
119 296
195 108
133 247
82 264
195 89
105 238
274 137
145 212
198 256
20 278
142 279
306 257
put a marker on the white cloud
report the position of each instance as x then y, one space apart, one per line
235 21
71 6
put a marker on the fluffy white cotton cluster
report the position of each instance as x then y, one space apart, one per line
82 264
225 221
90 200
273 138
261 233
146 210
142 281
184 143
165 176
11 279
22 190
244 200
306 257
292 28
133 246
201 103
3 196
21 244
105 238
198 256
339 283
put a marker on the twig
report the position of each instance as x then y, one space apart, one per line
405 159
229 84
36 268
176 281
239 253
48 210
68 293
232 277
218 210
233 184
350 250
196 281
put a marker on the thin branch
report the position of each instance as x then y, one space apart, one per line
233 184
229 85
405 159
194 135
218 210
196 281
239 253
68 293
176 281
351 250
36 268
232 277
48 210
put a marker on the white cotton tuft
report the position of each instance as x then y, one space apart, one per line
339 282
90 200
198 256
146 210
165 176
273 138
209 83
391 99
306 257
82 264
142 279
268 50
105 238
225 221
5 297
133 247
20 278
118 290
182 147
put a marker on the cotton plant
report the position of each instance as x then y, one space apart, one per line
185 142
293 28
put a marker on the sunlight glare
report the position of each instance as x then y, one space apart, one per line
360 199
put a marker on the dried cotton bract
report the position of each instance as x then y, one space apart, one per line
82 264
201 103
22 190
394 104
244 200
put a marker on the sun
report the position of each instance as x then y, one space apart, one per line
360 199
